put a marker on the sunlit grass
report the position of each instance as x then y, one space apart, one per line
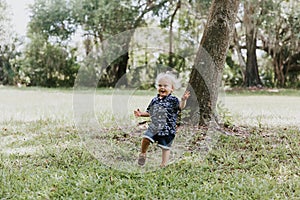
262 110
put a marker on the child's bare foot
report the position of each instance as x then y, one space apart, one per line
142 159
162 165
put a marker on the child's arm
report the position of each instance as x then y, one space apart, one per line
138 113
184 97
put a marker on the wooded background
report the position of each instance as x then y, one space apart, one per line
264 50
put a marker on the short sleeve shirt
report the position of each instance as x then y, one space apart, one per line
163 113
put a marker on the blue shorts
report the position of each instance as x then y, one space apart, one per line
164 142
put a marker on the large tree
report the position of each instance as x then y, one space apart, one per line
205 78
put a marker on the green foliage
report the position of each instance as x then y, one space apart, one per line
224 115
54 22
9 70
232 75
51 18
102 18
275 22
49 65
142 77
6 32
266 71
293 80
49 61
10 73
280 26
173 61
138 79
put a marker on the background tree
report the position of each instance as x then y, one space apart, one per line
3 18
246 38
49 65
9 69
49 59
271 26
280 38
52 20
205 78
268 26
188 18
251 21
102 19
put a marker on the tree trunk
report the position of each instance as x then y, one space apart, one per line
238 51
206 74
171 54
252 78
292 64
279 74
1 71
119 71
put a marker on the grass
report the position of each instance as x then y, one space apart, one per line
263 91
43 156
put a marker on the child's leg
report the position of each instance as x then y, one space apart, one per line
144 148
145 145
165 157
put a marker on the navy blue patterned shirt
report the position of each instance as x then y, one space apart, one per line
163 113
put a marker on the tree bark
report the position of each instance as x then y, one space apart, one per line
206 75
278 68
171 64
252 78
238 51
292 64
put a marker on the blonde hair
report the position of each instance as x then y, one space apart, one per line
171 77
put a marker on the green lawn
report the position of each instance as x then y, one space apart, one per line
43 154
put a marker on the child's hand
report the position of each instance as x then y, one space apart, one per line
137 113
186 95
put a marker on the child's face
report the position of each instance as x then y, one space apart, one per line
165 87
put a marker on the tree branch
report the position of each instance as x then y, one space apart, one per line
148 8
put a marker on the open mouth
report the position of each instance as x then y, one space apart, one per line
162 92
